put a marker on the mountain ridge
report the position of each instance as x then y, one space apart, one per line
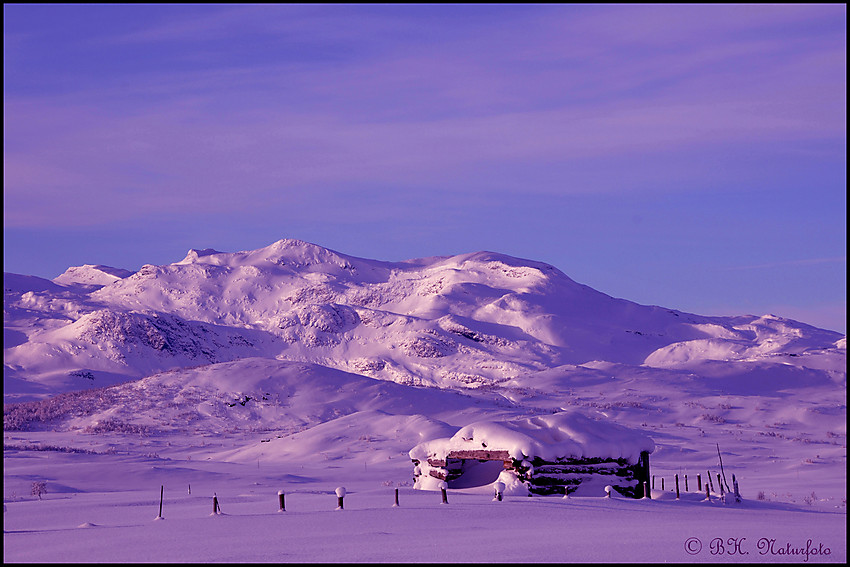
462 321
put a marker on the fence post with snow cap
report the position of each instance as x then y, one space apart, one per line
443 487
500 488
340 494
608 491
281 501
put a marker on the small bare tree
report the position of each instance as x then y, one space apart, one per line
39 487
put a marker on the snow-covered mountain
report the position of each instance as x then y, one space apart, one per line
467 321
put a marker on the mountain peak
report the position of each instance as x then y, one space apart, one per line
284 252
194 255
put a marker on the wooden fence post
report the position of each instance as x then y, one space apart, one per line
396 499
281 501
686 483
216 507
699 483
677 487
720 457
340 494
720 484
443 487
645 473
709 481
161 491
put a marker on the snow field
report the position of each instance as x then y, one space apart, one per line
112 518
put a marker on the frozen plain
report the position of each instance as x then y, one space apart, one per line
111 521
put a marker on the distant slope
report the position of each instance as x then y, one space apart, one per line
261 395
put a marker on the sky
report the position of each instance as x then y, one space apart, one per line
688 156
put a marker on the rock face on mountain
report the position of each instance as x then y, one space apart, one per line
468 321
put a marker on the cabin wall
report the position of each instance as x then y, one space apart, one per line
570 476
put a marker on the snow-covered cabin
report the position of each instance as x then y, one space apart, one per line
561 453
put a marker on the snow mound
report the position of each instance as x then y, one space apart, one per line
87 525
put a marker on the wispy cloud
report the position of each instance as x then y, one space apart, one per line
258 102
791 263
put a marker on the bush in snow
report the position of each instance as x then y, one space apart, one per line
39 488
115 426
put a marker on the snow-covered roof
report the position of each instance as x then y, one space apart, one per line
553 436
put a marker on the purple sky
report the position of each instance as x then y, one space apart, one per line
685 156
